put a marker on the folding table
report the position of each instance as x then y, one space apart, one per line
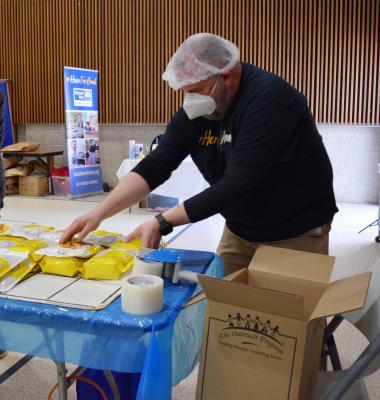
163 347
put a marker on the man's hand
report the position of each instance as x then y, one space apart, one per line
148 233
84 225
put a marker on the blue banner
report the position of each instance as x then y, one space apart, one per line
82 131
8 133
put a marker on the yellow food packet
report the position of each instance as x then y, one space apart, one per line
70 249
65 266
41 227
108 264
103 238
17 274
30 231
134 244
8 241
65 259
11 259
29 246
51 237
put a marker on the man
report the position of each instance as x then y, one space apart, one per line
80 121
74 155
253 139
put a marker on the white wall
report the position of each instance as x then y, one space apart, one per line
354 152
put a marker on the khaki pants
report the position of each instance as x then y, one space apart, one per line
237 252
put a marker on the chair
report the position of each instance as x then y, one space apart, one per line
348 384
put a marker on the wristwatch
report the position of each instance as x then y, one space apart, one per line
165 226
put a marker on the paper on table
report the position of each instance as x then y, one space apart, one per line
41 286
86 293
72 292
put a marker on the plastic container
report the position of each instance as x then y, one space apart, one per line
139 151
61 185
132 146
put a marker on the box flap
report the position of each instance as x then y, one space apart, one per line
311 291
239 276
293 263
344 295
255 298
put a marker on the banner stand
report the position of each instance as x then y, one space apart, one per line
82 131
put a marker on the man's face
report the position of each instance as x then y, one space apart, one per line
74 145
80 118
214 87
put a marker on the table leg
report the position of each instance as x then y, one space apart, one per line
50 166
111 381
62 383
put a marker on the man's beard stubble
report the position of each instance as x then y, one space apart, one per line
221 106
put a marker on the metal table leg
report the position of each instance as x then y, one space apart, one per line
62 383
113 385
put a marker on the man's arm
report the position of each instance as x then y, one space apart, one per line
153 170
233 187
129 190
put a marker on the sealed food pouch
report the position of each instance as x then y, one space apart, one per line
17 274
30 231
8 241
135 245
65 259
109 264
10 259
29 246
65 266
51 237
102 238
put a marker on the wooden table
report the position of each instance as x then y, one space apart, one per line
41 155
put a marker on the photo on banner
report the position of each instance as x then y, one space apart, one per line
82 131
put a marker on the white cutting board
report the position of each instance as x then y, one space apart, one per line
67 292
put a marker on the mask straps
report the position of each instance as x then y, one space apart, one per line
216 81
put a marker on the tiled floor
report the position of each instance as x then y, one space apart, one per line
354 253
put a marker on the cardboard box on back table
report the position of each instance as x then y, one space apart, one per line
264 327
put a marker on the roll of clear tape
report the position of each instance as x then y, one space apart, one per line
143 267
142 294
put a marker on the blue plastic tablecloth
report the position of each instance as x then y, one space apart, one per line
113 340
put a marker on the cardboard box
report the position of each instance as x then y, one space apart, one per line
33 185
264 329
11 185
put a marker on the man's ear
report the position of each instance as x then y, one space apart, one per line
226 77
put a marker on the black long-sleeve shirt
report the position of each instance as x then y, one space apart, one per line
268 170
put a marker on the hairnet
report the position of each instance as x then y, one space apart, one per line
200 56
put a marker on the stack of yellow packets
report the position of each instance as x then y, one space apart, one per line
111 263
65 259
16 261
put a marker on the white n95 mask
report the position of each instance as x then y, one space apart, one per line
197 105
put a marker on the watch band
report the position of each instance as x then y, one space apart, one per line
165 226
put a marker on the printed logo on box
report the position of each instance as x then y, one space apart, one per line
82 97
253 347
256 335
